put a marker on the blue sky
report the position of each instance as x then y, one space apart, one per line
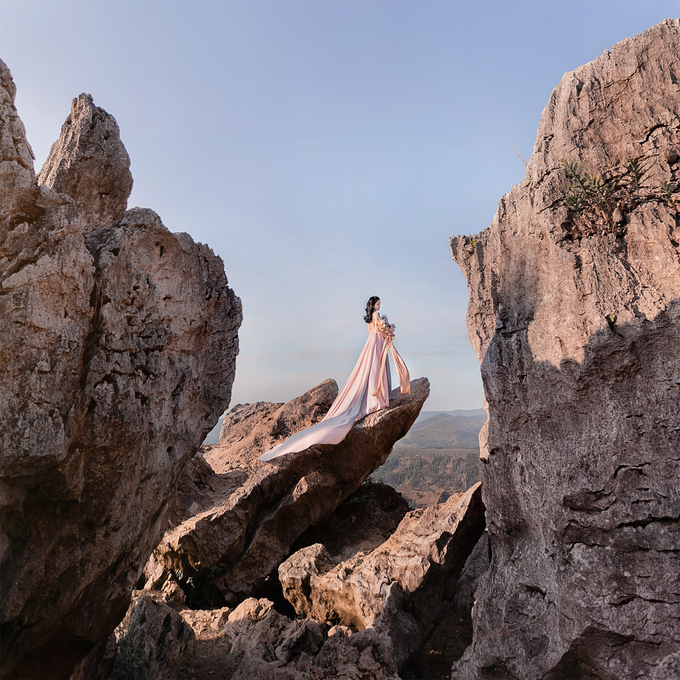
326 150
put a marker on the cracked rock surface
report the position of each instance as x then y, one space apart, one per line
273 647
117 347
401 587
90 164
365 520
579 344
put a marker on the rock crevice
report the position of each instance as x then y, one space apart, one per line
402 587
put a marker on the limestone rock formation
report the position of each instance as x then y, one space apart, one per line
117 347
238 422
252 512
206 620
276 648
669 668
475 567
152 637
16 159
409 575
263 425
149 642
90 164
252 641
578 334
99 663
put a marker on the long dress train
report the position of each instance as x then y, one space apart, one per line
367 390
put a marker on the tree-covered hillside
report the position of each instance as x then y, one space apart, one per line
438 457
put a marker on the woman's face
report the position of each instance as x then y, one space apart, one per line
376 306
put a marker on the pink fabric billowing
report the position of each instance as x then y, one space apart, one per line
367 390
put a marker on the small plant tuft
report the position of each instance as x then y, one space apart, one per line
667 191
635 171
589 195
598 202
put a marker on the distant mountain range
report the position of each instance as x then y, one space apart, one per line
461 428
425 415
444 430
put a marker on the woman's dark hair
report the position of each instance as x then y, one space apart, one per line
369 308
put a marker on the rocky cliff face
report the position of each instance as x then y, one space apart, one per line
275 648
576 321
117 346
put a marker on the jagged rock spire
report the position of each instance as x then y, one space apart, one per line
90 164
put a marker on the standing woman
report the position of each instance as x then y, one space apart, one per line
367 389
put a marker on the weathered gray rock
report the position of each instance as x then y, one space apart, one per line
254 511
158 638
452 635
152 638
90 164
476 566
117 347
206 621
578 340
200 488
193 489
237 424
261 426
276 648
669 668
400 587
299 576
98 664
18 191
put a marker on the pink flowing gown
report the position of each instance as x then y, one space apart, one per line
367 390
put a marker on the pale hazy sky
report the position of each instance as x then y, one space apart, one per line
326 150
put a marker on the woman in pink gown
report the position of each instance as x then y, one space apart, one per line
367 389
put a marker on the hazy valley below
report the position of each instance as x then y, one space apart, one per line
438 457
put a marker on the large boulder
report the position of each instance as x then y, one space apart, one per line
117 346
575 319
251 512
402 587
